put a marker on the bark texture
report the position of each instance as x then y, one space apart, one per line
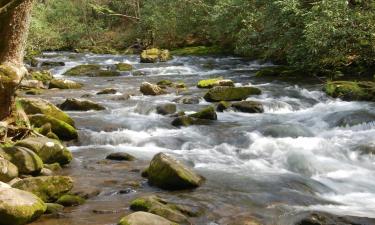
14 26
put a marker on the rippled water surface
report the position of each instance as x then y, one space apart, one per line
306 152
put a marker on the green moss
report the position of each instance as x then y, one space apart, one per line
183 121
108 73
124 67
53 208
63 130
64 84
140 204
7 74
154 55
209 83
207 113
165 82
218 94
223 105
350 90
44 76
53 166
70 200
83 70
198 51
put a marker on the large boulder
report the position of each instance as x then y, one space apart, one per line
48 188
26 160
8 171
19 207
210 83
248 106
351 90
207 113
218 94
64 84
144 218
72 104
167 173
155 55
33 106
166 109
49 150
63 130
151 89
91 71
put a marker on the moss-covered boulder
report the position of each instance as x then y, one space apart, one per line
167 173
19 207
25 159
154 55
64 84
210 83
351 90
155 205
54 208
123 67
72 104
91 71
151 89
222 106
49 150
70 200
63 130
52 64
248 106
144 218
33 106
166 109
8 171
207 113
120 156
48 188
218 94
44 76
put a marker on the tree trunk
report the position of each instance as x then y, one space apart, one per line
14 26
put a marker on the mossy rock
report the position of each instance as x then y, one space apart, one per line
83 70
168 173
222 106
49 150
165 109
63 130
144 218
33 106
53 208
187 100
70 200
19 207
151 89
45 76
48 188
107 91
8 171
218 94
154 55
248 106
34 91
123 67
120 156
210 83
168 83
207 113
73 104
53 166
351 90
64 84
183 121
25 159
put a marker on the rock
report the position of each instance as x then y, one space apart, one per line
166 109
322 218
8 171
91 71
168 83
52 64
218 94
155 205
64 84
33 106
19 207
123 67
210 83
86 192
151 89
72 104
107 91
222 106
154 55
25 159
53 208
46 172
49 150
48 188
187 100
144 218
34 91
350 118
183 121
248 106
70 200
63 130
53 166
44 76
123 97
36 84
120 156
168 173
286 130
206 114
351 90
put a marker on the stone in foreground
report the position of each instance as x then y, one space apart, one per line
218 94
8 171
63 130
27 161
167 173
144 218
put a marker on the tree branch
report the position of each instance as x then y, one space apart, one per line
9 6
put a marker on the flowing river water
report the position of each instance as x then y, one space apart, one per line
307 152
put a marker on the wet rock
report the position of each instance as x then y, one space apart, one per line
63 130
155 205
64 84
218 94
46 172
19 207
165 83
187 100
52 64
120 156
70 200
33 106
210 83
91 71
49 150
286 130
207 113
366 149
222 106
322 218
183 121
44 76
351 90
107 91
167 173
25 159
87 96
32 84
48 188
123 67
151 89
73 104
166 109
8 171
155 55
350 118
86 192
53 208
53 166
144 218
34 91
248 106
